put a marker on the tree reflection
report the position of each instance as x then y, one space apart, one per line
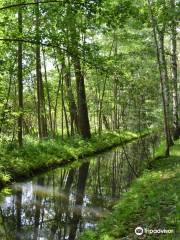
60 204
82 178
18 214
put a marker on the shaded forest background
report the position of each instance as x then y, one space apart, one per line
79 67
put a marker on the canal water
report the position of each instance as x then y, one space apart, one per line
62 203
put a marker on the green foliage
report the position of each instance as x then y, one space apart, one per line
42 155
152 202
115 44
4 177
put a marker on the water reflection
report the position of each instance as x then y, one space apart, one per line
62 203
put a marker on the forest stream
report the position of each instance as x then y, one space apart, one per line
62 203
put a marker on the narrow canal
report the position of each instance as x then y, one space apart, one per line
62 203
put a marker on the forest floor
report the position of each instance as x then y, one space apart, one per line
39 156
151 203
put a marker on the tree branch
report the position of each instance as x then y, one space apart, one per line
27 4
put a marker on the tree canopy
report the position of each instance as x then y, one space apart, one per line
77 66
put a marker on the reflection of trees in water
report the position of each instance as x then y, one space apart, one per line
83 174
38 207
60 204
18 204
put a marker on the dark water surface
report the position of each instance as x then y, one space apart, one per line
62 203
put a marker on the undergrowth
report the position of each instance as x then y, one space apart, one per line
38 155
152 202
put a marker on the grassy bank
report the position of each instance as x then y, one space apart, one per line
38 156
152 203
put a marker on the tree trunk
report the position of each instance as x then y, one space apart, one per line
162 79
166 81
42 123
62 107
106 123
83 119
71 101
20 82
103 93
176 132
115 124
48 93
66 119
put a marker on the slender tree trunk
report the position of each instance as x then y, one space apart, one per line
106 123
62 96
20 82
62 107
66 75
66 119
103 94
162 80
57 94
115 125
71 101
166 81
48 93
42 123
174 74
83 118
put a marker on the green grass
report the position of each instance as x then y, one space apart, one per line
152 202
37 156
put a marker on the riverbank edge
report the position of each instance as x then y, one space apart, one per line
22 164
152 202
